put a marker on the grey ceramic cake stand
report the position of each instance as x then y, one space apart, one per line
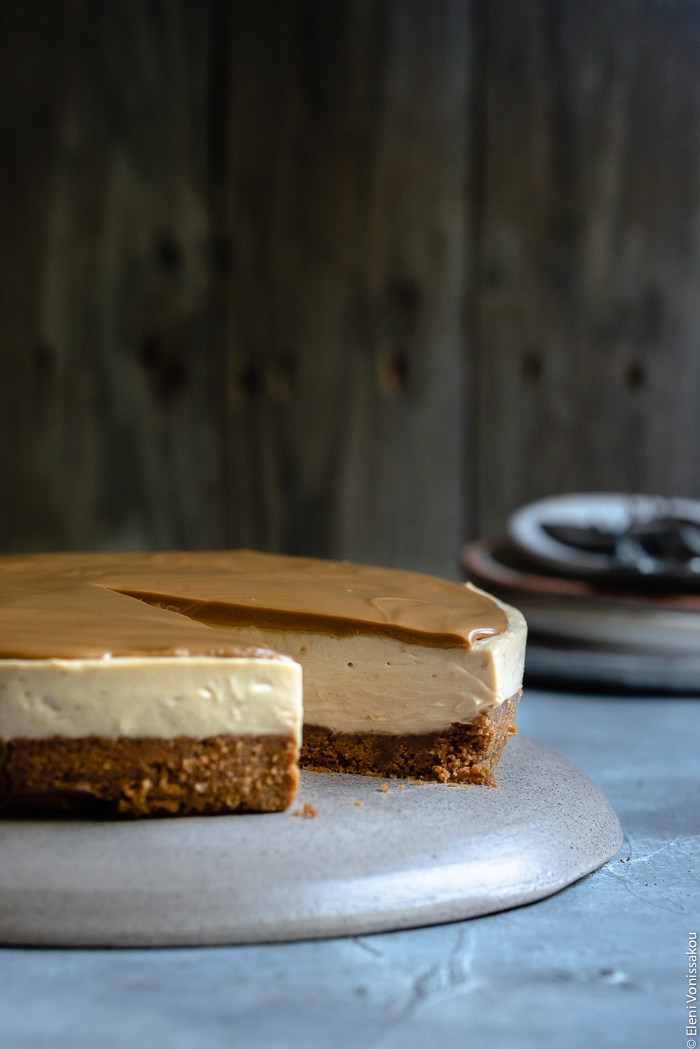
424 854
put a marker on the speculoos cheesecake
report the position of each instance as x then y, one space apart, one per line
156 684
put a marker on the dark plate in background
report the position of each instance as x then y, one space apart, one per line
635 540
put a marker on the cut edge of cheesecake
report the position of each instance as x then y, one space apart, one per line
150 736
463 753
365 685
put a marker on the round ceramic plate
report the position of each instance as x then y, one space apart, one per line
369 861
607 514
491 566
601 668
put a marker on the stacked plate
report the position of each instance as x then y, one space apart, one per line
609 584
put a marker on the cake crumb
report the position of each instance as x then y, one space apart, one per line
315 794
358 803
401 787
385 788
307 810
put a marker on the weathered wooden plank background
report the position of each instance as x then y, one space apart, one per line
588 341
352 279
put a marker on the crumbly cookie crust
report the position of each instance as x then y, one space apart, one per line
149 777
459 754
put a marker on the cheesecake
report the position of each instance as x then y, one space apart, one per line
171 683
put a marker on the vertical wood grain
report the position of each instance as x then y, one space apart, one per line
588 363
35 69
110 426
242 262
236 261
345 223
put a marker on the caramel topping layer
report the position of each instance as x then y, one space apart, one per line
82 605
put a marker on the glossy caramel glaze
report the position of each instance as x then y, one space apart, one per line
82 605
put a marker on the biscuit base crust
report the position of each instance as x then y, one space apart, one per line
459 754
149 777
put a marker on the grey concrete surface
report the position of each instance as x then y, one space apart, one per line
600 964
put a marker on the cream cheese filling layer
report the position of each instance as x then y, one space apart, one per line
369 683
160 697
